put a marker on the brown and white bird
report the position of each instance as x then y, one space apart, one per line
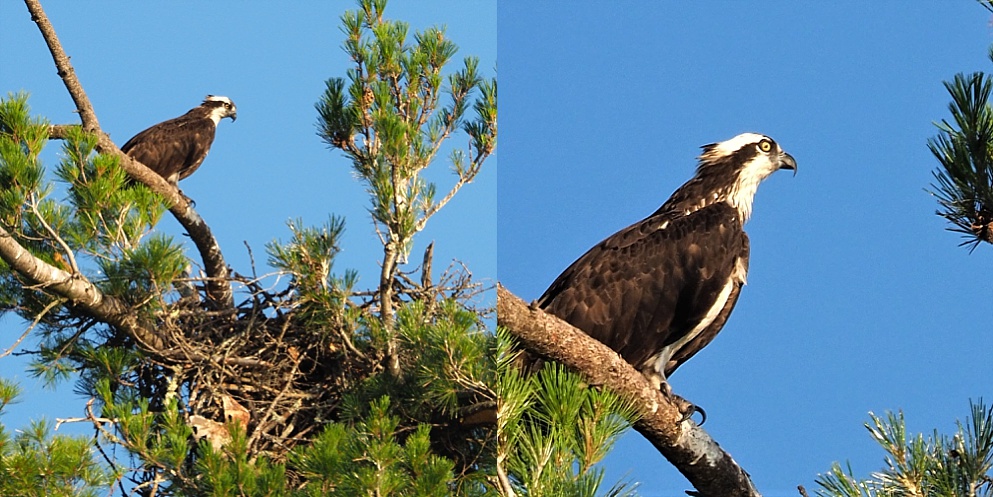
175 148
661 289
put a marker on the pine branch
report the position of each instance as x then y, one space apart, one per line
76 288
687 446
423 221
218 285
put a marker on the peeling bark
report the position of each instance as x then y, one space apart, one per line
687 446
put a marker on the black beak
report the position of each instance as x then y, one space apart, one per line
233 116
786 161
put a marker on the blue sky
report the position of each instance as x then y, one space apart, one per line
143 63
857 300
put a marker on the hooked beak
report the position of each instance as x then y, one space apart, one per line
233 116
786 161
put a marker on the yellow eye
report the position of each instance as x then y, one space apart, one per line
765 145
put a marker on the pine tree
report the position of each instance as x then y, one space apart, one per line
553 429
313 388
964 181
939 465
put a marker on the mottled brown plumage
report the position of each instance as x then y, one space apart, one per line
661 289
176 148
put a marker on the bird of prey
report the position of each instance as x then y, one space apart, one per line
661 289
175 148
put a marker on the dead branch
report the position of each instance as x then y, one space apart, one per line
218 287
66 72
687 446
37 319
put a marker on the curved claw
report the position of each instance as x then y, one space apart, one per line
688 415
687 408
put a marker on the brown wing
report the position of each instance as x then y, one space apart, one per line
651 283
175 148
708 334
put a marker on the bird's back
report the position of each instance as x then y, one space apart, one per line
175 148
649 284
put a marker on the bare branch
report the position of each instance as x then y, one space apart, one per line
37 319
687 446
70 255
66 72
422 222
60 131
506 488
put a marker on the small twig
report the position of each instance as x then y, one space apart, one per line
65 247
343 333
251 259
113 466
37 319
245 361
98 424
82 329
290 378
61 421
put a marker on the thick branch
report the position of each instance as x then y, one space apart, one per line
77 289
218 285
687 446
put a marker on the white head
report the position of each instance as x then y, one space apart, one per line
220 107
748 158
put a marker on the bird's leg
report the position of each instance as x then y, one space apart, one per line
686 408
188 199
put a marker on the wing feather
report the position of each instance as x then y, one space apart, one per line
175 148
651 283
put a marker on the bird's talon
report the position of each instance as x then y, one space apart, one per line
688 415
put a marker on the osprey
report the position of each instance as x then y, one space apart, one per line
661 289
175 148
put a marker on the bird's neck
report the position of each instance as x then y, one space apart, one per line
701 192
215 116
741 195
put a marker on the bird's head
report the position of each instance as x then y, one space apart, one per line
743 162
220 107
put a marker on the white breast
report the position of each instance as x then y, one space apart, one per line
659 361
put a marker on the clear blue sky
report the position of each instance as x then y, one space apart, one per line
144 63
857 299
